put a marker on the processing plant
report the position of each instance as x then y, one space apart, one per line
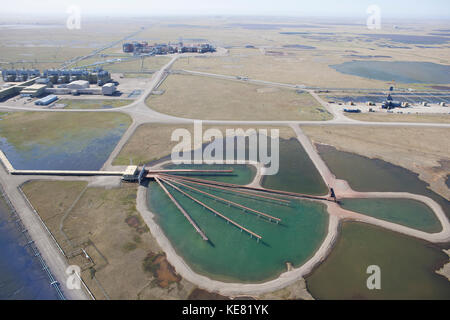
163 48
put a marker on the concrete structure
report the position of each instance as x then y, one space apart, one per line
130 174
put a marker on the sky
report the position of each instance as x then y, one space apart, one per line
327 8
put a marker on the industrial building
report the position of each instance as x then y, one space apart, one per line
96 76
46 100
35 90
78 85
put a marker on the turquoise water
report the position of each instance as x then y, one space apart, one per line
242 174
297 172
400 71
231 255
410 213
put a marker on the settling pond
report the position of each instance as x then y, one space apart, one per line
232 255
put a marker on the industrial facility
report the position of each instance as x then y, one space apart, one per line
143 47
96 76
58 76
33 83
391 104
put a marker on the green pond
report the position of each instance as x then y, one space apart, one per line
297 172
231 255
364 174
407 266
407 212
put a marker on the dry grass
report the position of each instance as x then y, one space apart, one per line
308 67
106 224
388 117
424 151
152 141
198 97
93 103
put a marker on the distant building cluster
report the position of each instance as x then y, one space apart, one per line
158 49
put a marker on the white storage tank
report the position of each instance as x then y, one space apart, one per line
78 84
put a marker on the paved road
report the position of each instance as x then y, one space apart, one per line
141 113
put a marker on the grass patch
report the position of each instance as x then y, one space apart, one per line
94 103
